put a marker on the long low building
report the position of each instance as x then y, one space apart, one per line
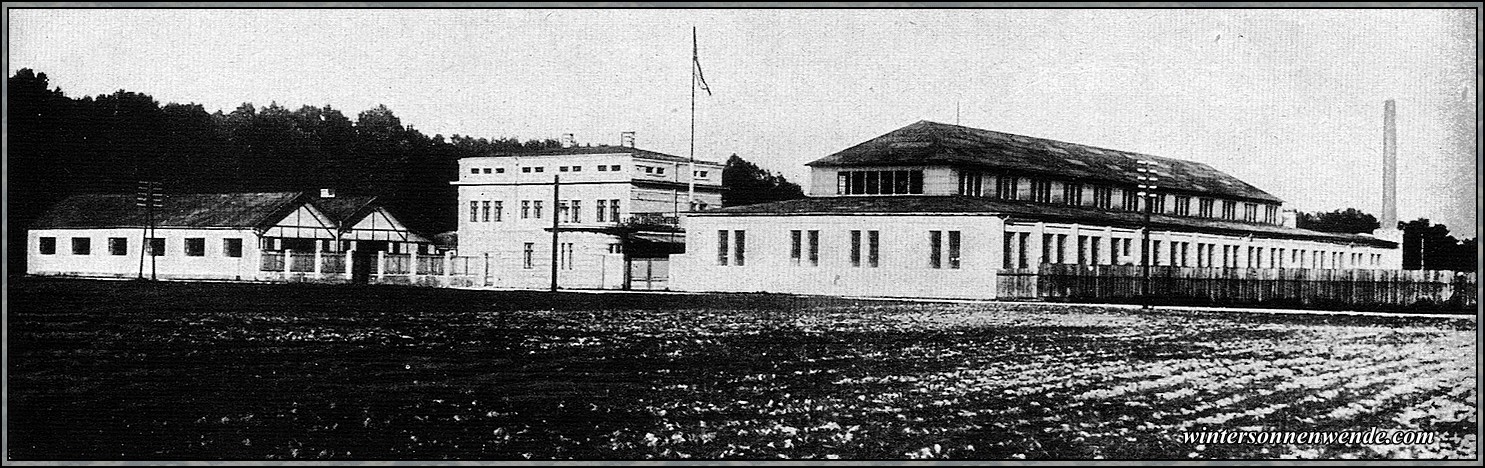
220 236
937 210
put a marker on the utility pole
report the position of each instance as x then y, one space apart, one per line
1148 179
556 212
149 198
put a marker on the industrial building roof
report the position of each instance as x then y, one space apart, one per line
928 142
194 210
606 149
959 204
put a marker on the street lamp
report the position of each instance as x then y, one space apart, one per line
1148 180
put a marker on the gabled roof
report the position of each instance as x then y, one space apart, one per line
605 149
928 142
959 204
193 210
345 210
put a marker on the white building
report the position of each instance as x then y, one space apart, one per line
937 210
611 204
209 236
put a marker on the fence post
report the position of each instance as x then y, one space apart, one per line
318 267
350 261
448 268
288 263
381 265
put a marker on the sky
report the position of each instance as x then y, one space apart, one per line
1287 100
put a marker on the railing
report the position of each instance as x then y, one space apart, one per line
1271 286
398 264
301 262
332 262
271 261
463 266
430 264
652 219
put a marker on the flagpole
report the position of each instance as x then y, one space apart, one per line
691 181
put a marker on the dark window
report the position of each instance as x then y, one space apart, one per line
1183 205
499 170
474 170
487 170
614 168
526 169
1103 197
954 250
157 247
485 205
528 257
814 238
1131 200
1072 194
1204 208
971 183
855 248
536 209
82 246
879 182
498 209
722 247
935 249
602 209
474 211
525 209
577 168
613 210
232 247
873 244
48 246
1006 187
796 241
602 168
118 246
1041 191
538 169
740 246
195 246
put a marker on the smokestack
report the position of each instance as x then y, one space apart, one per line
626 139
1389 166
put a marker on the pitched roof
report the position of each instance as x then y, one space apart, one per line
605 149
343 210
928 142
192 210
959 204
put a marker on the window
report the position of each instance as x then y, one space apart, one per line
954 250
82 246
1229 209
118 246
474 170
577 211
1061 248
814 248
499 170
536 209
195 246
649 170
740 246
577 168
796 243
486 206
879 182
474 211
855 248
526 169
1183 205
48 246
722 247
1205 208
1041 191
564 256
498 208
703 174
602 168
1082 251
525 209
660 170
615 248
487 170
614 168
873 244
528 256
1047 248
602 209
935 249
562 169
1271 214
1131 200
562 212
1250 212
1095 250
613 210
1006 187
971 183
1072 194
232 247
1103 197
538 168
157 247
1157 204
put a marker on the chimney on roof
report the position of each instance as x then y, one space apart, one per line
1289 218
1389 166
569 140
626 139
327 193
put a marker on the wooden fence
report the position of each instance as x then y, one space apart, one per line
1278 287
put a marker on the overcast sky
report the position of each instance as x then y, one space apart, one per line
1288 100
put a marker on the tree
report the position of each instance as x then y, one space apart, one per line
1350 221
744 183
1431 247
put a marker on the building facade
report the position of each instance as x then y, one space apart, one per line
609 203
936 210
222 236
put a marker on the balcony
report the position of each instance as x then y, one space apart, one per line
652 221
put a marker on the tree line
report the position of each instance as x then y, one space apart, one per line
1424 245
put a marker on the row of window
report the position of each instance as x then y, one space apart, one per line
566 258
879 182
979 184
155 246
1089 251
570 211
865 251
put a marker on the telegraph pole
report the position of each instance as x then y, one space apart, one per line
149 198
556 212
1147 185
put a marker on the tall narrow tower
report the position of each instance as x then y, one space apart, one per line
1389 167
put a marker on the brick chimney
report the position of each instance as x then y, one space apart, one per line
1389 167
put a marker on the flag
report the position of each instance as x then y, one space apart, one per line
696 62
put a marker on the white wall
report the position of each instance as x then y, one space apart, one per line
174 264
